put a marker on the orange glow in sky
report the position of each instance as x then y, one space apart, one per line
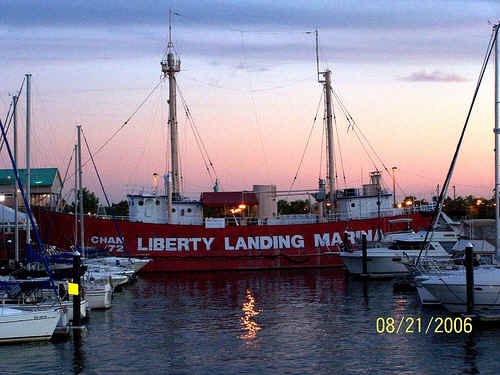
254 94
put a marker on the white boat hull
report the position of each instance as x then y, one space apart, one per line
18 326
99 296
454 297
376 266
426 298
130 264
386 262
450 289
67 309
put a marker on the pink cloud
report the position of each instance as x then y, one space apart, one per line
435 76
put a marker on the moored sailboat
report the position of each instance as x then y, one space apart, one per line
17 325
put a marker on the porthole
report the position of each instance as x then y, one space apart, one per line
189 210
173 209
353 204
157 202
141 203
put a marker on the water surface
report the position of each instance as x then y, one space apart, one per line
260 322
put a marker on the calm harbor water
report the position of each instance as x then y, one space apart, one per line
263 322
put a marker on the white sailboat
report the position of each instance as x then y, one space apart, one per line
17 325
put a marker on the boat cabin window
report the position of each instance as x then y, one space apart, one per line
141 203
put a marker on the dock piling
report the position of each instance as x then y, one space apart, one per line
469 275
365 254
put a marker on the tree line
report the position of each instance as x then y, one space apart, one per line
457 208
91 205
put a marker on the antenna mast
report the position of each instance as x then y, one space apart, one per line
169 67
497 140
317 53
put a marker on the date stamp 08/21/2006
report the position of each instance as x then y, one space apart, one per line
406 325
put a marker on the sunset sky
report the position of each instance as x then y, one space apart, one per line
406 71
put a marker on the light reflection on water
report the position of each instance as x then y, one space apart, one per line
248 323
268 322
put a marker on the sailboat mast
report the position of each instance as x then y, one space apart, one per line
28 167
329 135
170 67
76 198
16 200
497 141
80 189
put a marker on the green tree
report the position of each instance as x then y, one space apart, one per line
90 203
118 209
293 207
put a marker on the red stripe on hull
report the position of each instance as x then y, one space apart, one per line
196 248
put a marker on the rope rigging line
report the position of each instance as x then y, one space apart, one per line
352 124
125 123
10 115
199 140
364 148
338 145
59 197
307 142
444 189
105 194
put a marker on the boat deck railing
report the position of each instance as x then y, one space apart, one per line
308 218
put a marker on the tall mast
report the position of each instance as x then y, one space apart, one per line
327 85
28 167
76 198
80 189
497 141
329 136
16 200
169 67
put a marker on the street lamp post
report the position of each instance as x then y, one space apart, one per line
394 186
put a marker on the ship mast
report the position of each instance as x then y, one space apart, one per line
28 154
497 142
16 199
169 67
326 80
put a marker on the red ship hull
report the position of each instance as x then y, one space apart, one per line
196 248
